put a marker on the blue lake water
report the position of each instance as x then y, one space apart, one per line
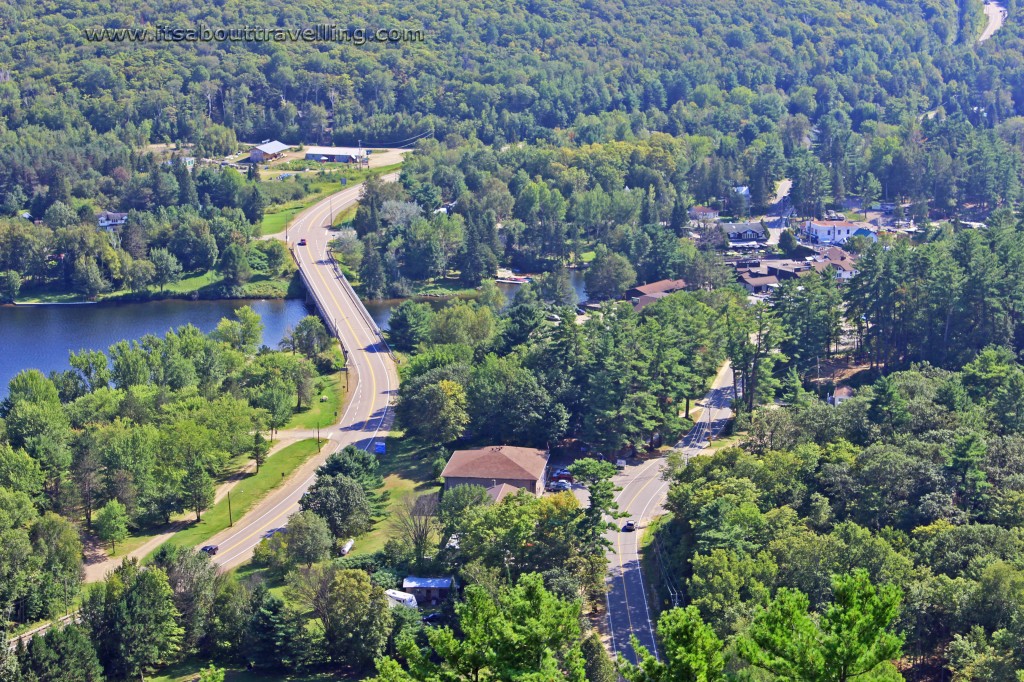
40 337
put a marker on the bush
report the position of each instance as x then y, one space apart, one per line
330 361
384 579
438 466
273 554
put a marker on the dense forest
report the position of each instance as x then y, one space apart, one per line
625 99
878 538
917 480
177 224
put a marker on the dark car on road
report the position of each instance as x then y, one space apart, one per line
302 242
630 526
274 531
211 549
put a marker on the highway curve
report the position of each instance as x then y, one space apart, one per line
373 379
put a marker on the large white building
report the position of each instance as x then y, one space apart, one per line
832 231
336 154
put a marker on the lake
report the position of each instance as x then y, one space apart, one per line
40 337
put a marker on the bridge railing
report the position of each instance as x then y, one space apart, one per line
363 312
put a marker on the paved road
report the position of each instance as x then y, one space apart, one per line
373 379
642 495
995 16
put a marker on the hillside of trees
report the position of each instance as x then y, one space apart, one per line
760 78
917 480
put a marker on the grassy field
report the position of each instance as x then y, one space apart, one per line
322 413
247 493
727 442
277 217
408 470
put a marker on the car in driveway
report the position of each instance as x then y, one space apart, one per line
629 526
435 618
210 549
559 486
562 475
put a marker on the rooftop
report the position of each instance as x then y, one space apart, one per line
336 151
664 286
641 302
501 491
413 582
274 147
497 461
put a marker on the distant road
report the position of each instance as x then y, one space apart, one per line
373 378
642 496
995 13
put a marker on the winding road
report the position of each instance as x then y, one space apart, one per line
642 494
995 16
373 378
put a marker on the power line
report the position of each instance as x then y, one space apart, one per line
399 143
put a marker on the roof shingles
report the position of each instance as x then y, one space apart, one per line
498 462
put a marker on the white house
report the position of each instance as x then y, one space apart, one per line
703 213
831 231
109 220
841 395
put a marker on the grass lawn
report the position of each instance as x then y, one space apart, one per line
323 413
47 296
277 217
407 469
194 282
345 216
443 287
247 493
726 442
202 284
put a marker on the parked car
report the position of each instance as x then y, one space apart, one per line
563 475
435 618
559 486
302 242
210 549
630 526
620 464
